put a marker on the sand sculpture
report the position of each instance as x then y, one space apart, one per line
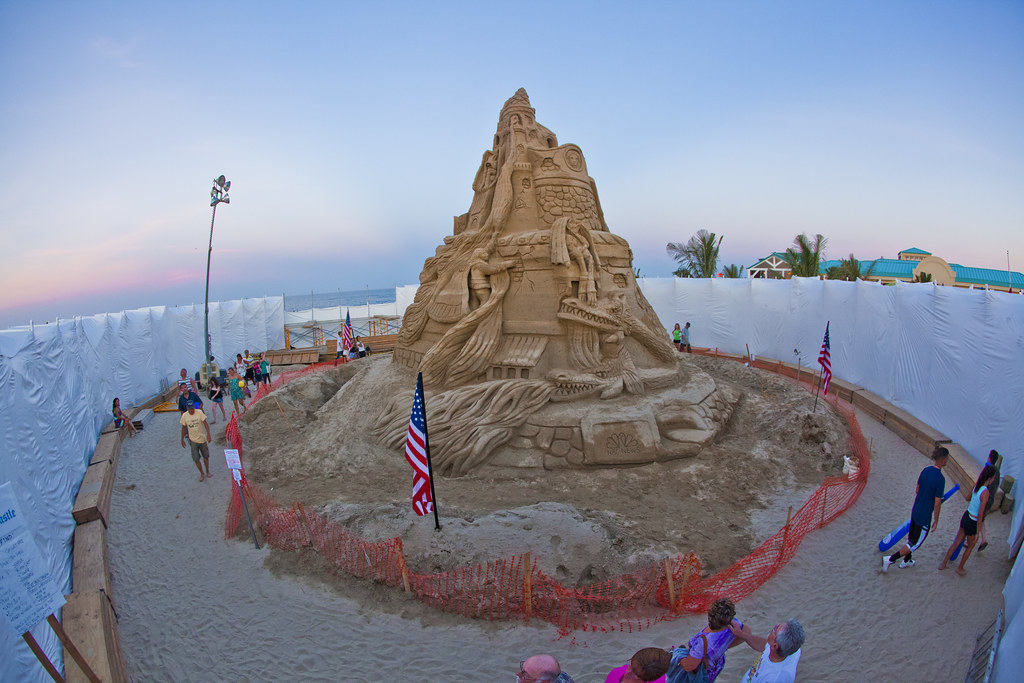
536 345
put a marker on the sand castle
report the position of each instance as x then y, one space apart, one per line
530 329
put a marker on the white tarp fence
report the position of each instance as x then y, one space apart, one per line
57 383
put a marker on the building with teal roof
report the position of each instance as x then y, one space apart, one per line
909 265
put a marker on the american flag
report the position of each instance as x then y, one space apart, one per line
825 359
417 452
346 332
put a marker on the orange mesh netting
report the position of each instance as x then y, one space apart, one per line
513 588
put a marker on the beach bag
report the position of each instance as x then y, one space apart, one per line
677 674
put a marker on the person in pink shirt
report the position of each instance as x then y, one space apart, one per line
648 664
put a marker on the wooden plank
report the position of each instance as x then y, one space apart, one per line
910 423
844 390
961 469
871 403
108 447
89 620
90 562
93 499
381 342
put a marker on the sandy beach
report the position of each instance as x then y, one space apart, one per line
195 607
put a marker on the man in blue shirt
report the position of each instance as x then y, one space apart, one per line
924 517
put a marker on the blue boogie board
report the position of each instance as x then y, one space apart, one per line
956 553
897 534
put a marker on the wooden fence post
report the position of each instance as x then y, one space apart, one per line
785 532
305 523
405 570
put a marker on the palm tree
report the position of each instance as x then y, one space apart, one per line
698 257
849 269
805 259
923 277
733 271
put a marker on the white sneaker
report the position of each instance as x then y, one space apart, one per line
886 561
906 563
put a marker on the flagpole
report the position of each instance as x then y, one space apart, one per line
426 440
821 372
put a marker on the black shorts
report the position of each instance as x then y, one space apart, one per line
248 374
970 526
916 536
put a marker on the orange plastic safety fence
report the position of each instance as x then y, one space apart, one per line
515 589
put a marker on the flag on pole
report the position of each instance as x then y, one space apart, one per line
825 360
417 452
346 332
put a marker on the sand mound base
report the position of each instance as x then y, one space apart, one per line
310 442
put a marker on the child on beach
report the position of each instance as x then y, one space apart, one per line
236 386
265 368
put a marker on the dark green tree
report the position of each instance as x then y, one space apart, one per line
923 277
849 269
733 271
804 257
698 257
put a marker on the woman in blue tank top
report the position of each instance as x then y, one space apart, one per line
969 522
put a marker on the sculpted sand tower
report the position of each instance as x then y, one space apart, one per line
537 347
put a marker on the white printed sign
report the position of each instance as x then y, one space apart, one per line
28 593
234 462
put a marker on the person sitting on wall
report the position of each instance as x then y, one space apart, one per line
360 349
120 419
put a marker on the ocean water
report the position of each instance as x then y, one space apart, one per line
304 302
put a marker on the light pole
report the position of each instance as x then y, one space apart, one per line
218 194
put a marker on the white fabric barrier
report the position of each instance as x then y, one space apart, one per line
57 383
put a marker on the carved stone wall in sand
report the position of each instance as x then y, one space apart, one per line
534 296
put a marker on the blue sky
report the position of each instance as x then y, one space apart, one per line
351 133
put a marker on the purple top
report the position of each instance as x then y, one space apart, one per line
718 643
615 675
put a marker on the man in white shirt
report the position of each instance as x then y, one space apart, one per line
780 653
